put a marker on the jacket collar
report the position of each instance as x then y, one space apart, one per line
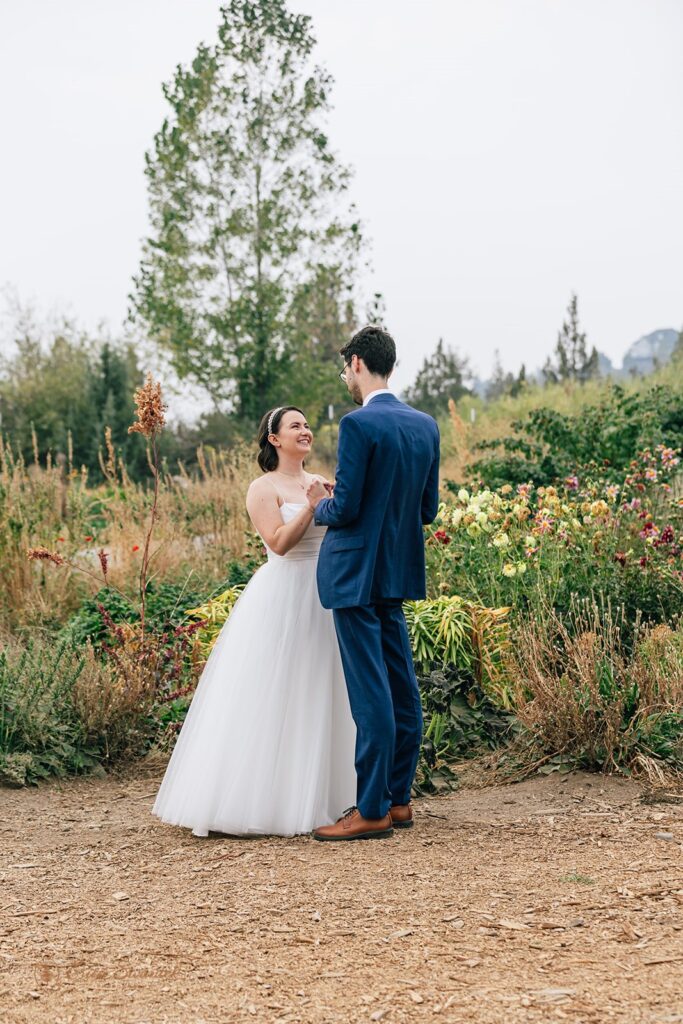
384 397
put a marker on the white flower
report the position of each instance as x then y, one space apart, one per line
501 540
463 494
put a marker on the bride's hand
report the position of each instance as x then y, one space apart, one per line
317 490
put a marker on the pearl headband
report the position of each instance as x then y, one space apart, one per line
271 418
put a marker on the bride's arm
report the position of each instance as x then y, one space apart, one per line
264 513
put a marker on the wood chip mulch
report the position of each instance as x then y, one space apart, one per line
558 899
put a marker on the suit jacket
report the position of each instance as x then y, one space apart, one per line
386 489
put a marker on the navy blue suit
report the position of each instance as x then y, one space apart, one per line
371 560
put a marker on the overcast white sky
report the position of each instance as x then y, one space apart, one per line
506 153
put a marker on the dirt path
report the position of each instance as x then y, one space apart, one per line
554 900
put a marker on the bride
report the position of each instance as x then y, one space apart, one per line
267 747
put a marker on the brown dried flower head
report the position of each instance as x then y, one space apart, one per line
150 409
104 561
43 554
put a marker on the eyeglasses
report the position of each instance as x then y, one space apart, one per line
342 373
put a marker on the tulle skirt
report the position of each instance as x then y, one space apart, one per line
268 743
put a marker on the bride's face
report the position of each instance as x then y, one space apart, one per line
294 435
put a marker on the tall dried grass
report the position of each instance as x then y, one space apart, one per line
201 524
581 693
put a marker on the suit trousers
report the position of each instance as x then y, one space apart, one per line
385 703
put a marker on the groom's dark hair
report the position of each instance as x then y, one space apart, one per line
375 347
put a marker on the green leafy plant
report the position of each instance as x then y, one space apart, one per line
601 440
40 732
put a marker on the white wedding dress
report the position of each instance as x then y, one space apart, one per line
267 747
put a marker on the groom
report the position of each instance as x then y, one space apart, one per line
371 560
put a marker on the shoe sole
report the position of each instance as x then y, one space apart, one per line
404 824
383 834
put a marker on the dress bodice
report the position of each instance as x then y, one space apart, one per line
309 545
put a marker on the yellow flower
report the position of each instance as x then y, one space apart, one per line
506 489
463 494
599 508
501 540
473 530
509 569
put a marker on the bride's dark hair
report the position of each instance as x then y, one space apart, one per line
267 457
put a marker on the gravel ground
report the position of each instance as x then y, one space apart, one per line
558 899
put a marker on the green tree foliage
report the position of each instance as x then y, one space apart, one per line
63 391
502 383
441 377
247 275
572 360
548 446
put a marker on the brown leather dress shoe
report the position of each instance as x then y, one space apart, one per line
402 815
352 825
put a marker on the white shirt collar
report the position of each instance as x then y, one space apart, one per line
379 391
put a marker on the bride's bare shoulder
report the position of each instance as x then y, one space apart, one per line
262 488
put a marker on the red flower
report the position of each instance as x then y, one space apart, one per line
60 539
88 537
136 547
442 537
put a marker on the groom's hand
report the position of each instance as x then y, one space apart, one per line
316 492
